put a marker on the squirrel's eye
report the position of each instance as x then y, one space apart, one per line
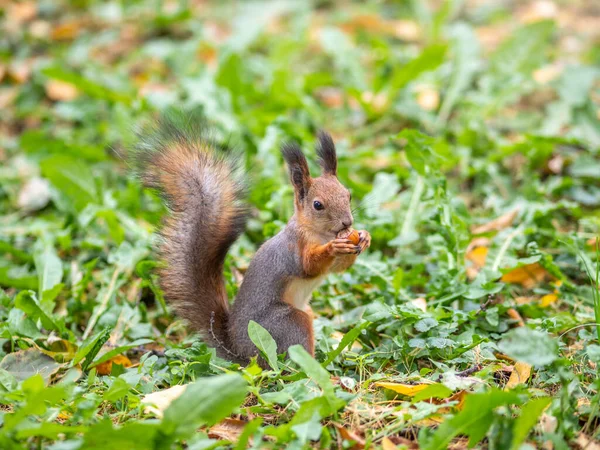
318 205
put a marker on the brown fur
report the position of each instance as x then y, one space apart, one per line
205 196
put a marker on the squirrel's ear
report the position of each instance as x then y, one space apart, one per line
298 167
326 152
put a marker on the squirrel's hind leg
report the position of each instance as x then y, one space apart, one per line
291 326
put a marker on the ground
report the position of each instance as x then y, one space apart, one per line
469 135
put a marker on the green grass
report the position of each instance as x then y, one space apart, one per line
469 135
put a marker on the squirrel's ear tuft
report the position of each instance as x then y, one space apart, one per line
298 167
326 152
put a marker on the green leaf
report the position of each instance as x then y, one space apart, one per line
264 342
430 58
26 363
26 302
49 268
346 341
465 57
40 142
436 390
474 420
118 350
531 346
86 85
49 430
127 256
205 402
117 390
422 151
523 51
530 413
90 349
312 368
132 436
18 255
73 178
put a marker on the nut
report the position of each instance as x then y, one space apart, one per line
350 234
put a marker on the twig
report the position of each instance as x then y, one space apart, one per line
469 371
484 306
216 339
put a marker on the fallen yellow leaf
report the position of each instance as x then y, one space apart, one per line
105 368
520 374
409 390
527 276
477 256
547 300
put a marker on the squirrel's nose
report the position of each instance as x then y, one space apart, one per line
347 222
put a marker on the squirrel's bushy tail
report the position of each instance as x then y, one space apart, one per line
205 191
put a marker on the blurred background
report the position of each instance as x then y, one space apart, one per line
467 130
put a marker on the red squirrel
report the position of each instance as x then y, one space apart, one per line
205 192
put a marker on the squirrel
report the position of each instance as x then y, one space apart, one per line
205 192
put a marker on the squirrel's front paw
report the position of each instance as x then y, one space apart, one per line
365 240
342 246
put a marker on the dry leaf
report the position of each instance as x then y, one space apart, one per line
407 30
105 367
527 276
546 74
66 31
61 91
208 55
456 397
350 435
540 10
428 98
63 416
377 101
419 303
520 374
386 444
229 429
157 402
21 12
7 97
514 314
548 423
556 164
40 29
476 252
587 443
547 300
499 223
409 390
331 97
478 256
34 195
20 71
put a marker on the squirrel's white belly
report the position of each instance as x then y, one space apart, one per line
299 291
